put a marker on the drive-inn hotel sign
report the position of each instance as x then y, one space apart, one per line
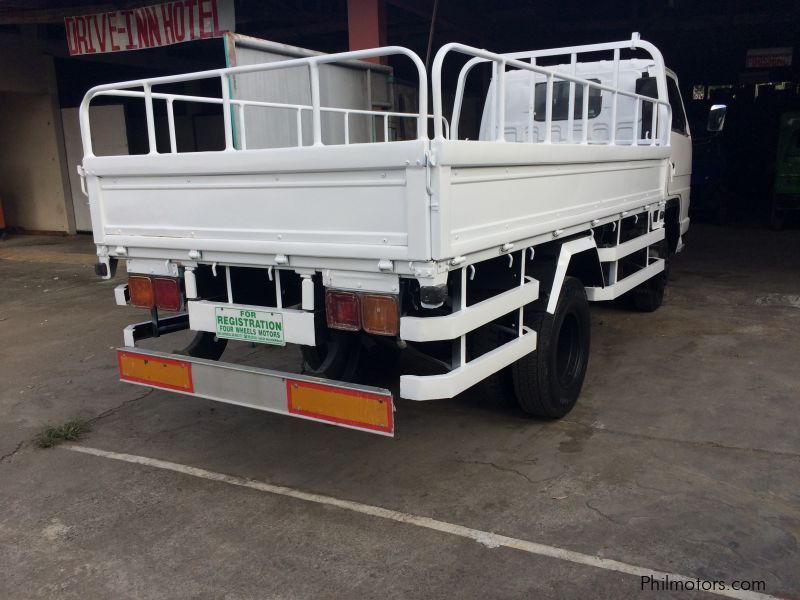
149 26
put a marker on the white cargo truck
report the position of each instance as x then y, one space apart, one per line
478 255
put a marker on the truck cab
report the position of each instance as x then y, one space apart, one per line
679 185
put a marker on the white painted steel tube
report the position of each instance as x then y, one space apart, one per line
307 293
421 116
151 126
316 116
501 101
190 283
173 144
512 60
226 111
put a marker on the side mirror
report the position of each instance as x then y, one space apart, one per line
716 117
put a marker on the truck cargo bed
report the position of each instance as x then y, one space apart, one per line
423 199
364 201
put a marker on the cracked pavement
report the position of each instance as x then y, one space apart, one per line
682 455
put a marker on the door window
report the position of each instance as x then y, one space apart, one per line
678 116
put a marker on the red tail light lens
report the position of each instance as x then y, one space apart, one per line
167 293
342 310
140 289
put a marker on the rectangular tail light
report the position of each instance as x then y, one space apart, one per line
140 290
379 314
167 293
342 310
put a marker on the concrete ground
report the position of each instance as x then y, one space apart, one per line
683 456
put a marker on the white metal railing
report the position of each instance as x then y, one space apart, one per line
239 105
661 113
229 104
236 134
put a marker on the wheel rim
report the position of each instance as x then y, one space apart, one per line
569 350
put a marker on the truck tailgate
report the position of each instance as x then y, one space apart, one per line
358 201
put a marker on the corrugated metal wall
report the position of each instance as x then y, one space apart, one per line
340 87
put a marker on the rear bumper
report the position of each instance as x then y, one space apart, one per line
267 390
343 404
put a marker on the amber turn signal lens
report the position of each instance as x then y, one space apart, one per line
341 310
168 293
140 289
379 314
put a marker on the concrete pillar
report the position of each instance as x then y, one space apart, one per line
366 25
34 180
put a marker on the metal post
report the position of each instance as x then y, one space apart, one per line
570 117
228 284
531 102
173 144
278 289
613 134
316 117
653 132
226 111
462 341
548 111
494 98
242 132
148 111
307 293
585 114
501 102
521 283
299 124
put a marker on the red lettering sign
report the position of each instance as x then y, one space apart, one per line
149 27
100 31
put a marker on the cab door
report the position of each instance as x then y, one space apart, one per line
681 155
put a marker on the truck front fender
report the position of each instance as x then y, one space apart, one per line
566 264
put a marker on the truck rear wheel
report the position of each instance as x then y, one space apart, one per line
350 356
205 345
548 381
497 387
337 358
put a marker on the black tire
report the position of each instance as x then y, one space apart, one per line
378 357
205 345
548 381
498 388
649 296
338 358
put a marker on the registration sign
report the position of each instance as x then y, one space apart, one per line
249 325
